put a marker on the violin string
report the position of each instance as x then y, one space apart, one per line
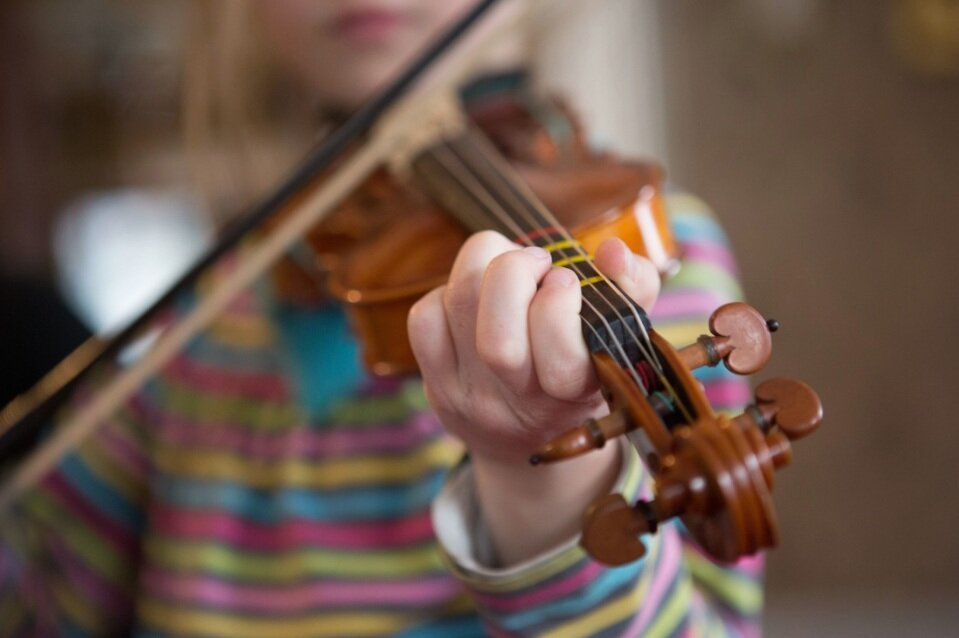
522 194
526 200
525 197
467 179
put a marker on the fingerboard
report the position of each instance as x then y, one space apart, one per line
469 177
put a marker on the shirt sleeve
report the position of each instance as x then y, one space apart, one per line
675 587
69 547
561 591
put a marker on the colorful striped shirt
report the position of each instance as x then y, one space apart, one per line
218 503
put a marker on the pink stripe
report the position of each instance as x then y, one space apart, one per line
199 590
744 627
558 589
302 442
100 524
125 454
697 608
710 253
104 595
667 568
728 393
213 379
685 304
751 566
230 530
378 386
496 632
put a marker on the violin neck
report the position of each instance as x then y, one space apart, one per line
476 184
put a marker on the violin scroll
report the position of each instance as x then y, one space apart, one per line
741 340
713 472
717 479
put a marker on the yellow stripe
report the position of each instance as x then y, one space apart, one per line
671 613
242 329
575 259
79 611
306 473
229 563
12 615
616 611
592 280
562 245
686 204
684 333
244 412
116 478
736 589
176 620
79 540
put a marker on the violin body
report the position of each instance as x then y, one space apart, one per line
410 248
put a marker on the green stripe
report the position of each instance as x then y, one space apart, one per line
284 567
696 276
242 412
382 409
672 612
80 540
736 590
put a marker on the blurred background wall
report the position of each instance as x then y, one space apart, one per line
825 133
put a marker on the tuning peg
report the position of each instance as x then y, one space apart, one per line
612 528
741 340
787 404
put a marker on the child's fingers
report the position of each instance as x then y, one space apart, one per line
636 275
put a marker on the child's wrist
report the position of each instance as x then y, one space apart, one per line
531 509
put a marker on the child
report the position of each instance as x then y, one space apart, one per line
263 485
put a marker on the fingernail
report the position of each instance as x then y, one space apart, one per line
561 278
537 252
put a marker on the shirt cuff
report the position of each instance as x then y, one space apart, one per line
465 540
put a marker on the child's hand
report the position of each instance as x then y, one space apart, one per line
506 368
501 347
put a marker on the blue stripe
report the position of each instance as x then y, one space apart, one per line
465 626
68 629
707 301
107 500
719 373
323 353
207 350
606 586
696 227
271 507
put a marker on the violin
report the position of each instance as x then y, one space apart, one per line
713 472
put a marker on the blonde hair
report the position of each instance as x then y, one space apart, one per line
245 121
243 124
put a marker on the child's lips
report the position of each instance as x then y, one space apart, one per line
368 25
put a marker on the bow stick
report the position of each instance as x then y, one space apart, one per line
30 412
